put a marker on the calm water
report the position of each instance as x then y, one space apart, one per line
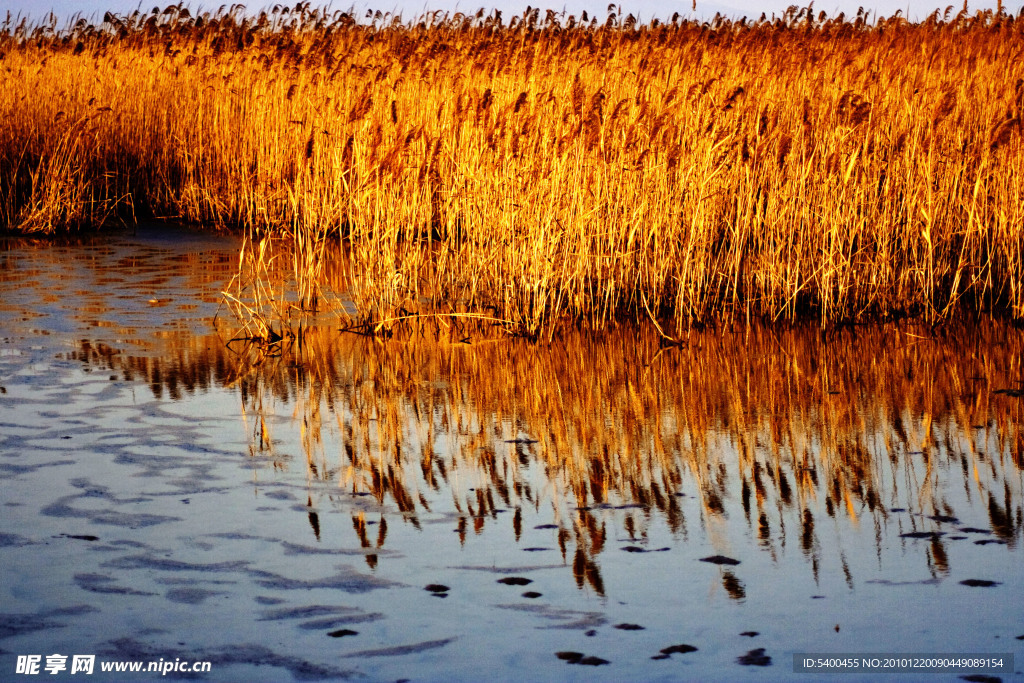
459 507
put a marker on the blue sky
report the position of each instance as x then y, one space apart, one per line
645 9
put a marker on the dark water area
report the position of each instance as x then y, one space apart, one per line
458 506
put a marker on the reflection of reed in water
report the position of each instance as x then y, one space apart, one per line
783 428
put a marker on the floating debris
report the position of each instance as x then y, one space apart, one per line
515 581
754 658
750 634
922 534
629 627
532 595
571 657
437 588
592 661
678 649
979 583
342 632
720 559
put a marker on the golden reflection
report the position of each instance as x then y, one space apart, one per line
892 428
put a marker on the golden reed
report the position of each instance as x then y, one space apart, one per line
548 169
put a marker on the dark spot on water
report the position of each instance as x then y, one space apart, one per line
535 550
571 657
945 519
979 583
817 597
922 534
955 538
750 634
342 632
515 581
678 649
593 632
754 658
975 530
592 661
546 526
720 559
629 627
661 657
83 537
634 549
982 678
436 588
897 509
986 541
1020 637
532 595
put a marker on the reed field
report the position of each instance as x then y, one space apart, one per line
545 170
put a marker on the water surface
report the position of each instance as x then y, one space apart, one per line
451 505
